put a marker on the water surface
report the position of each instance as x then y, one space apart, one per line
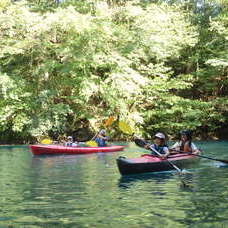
88 191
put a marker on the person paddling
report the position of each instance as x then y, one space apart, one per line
101 138
185 144
159 146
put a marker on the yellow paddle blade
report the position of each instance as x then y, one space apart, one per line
109 121
91 143
124 127
46 141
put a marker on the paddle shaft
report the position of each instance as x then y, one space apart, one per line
202 156
95 136
142 143
174 166
108 122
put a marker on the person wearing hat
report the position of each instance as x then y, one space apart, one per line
159 146
70 142
101 138
185 144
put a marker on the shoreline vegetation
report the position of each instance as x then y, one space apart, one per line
27 144
66 66
197 139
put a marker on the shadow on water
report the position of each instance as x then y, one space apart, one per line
185 180
127 180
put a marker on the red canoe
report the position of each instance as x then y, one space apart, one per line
150 163
56 149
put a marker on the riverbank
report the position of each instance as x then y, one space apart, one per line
215 139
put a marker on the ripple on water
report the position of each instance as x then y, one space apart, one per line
88 191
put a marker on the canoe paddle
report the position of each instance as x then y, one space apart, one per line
202 156
91 143
124 127
142 143
46 141
107 123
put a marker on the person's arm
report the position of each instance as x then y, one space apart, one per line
147 146
162 156
74 144
102 137
166 150
195 150
175 146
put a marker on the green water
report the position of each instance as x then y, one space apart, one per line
88 191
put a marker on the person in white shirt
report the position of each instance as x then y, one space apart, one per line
70 142
185 145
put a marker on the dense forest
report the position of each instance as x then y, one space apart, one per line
68 65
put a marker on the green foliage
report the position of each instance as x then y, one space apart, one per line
81 61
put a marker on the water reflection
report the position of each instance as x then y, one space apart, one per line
53 160
158 178
88 191
219 165
185 180
209 198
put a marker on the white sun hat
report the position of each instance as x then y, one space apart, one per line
102 132
160 135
